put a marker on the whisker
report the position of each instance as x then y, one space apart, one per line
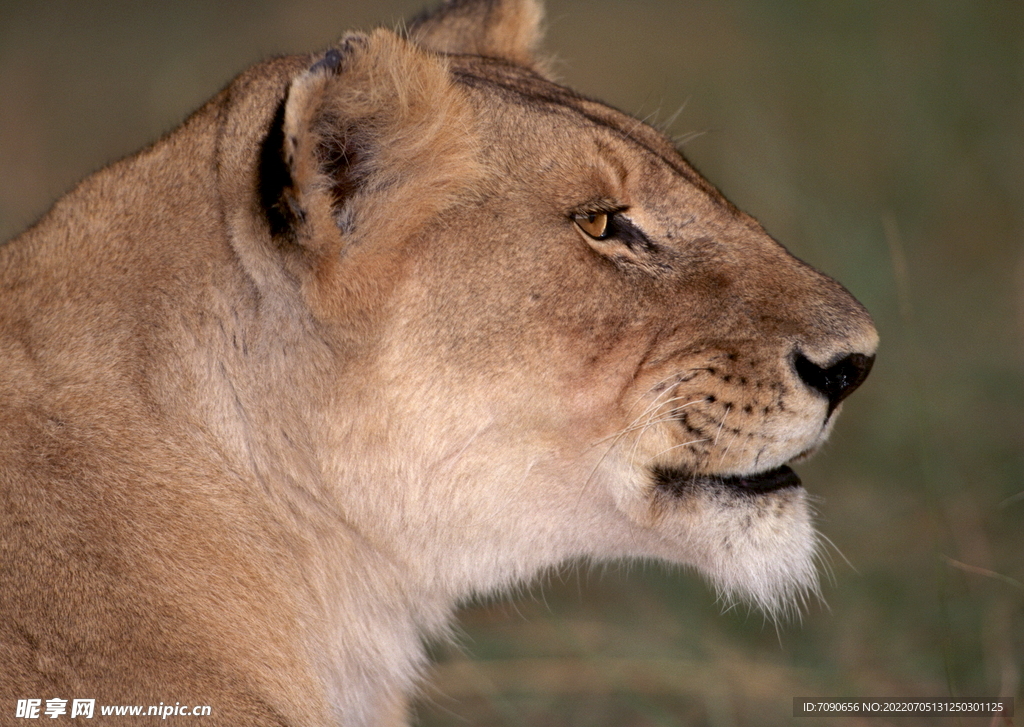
676 446
671 416
666 125
732 439
687 138
824 553
633 426
651 422
721 424
678 376
643 421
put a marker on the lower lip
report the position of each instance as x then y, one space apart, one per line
677 483
776 479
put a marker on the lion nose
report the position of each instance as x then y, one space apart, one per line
837 381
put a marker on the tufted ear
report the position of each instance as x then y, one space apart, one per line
297 189
373 126
508 29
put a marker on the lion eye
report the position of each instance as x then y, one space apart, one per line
594 224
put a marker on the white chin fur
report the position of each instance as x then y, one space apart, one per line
759 549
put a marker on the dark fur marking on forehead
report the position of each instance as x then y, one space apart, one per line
522 86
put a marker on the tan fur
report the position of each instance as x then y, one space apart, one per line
282 389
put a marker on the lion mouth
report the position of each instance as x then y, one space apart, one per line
678 483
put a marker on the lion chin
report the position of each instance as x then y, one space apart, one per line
378 329
761 543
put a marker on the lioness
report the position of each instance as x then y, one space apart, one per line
374 330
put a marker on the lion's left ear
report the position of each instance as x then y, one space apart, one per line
507 29
370 144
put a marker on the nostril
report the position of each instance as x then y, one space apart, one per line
837 381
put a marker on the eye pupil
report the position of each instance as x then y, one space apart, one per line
593 224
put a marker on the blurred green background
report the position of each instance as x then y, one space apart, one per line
881 141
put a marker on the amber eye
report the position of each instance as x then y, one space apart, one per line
594 224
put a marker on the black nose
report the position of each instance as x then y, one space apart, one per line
837 381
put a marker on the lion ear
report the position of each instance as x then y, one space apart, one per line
507 29
367 116
370 142
307 164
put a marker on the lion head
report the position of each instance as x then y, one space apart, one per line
373 331
567 341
